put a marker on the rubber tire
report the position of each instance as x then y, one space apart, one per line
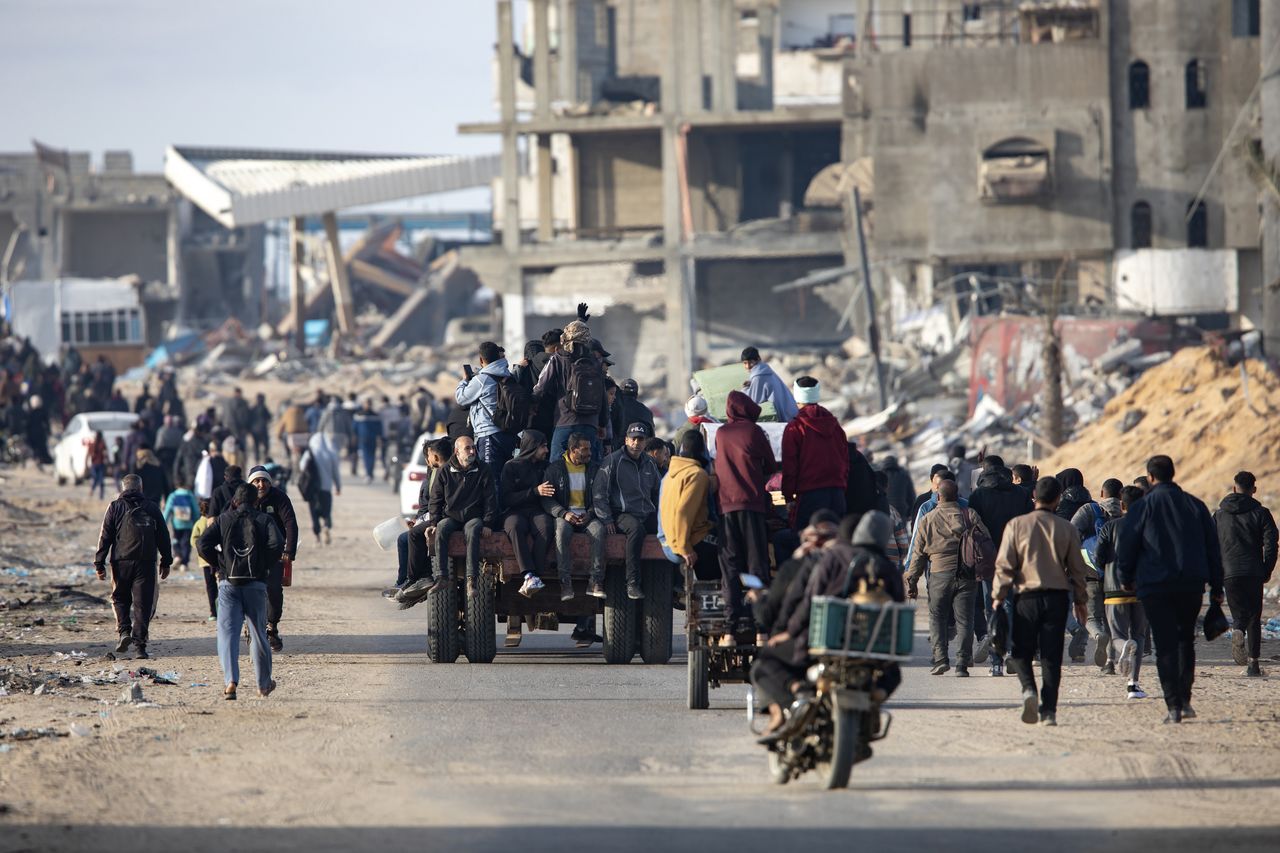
443 644
656 611
619 618
479 638
699 672
846 731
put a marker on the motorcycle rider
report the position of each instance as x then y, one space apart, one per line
844 562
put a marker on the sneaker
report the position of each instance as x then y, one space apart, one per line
1100 652
1238 653
566 591
1133 691
273 639
439 585
1030 707
213 617
1128 655
416 589
997 668
1108 669
532 583
633 591
328 536
264 692
596 589
939 668
962 671
1188 713
983 651
140 651
123 645
1049 719
1253 670
391 592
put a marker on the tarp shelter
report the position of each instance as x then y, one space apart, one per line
717 382
180 349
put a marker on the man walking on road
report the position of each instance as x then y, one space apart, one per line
319 479
1168 551
952 585
245 545
133 535
1247 535
275 504
1039 562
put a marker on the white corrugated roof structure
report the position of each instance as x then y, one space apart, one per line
239 186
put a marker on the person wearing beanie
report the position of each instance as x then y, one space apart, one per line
696 411
765 386
815 458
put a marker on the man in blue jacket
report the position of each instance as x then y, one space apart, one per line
765 386
1168 550
478 394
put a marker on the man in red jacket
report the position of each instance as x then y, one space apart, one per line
815 458
744 463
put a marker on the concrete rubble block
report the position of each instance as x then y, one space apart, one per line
1131 419
1119 355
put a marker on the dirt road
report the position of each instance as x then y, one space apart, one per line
366 745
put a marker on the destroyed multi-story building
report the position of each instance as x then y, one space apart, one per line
687 157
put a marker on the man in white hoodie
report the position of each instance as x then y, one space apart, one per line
319 480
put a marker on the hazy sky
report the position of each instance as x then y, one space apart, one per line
374 75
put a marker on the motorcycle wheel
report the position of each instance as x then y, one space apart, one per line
779 772
846 731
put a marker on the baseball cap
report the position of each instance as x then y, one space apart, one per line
596 346
257 472
629 387
639 429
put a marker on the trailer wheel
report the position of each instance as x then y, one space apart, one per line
479 638
655 623
619 618
699 679
442 625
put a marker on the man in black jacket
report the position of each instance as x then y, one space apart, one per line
220 500
133 534
626 499
996 500
276 505
1167 551
463 498
412 546
1247 535
627 409
524 485
245 545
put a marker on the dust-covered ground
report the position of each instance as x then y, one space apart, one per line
366 745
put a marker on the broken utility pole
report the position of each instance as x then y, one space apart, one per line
1053 427
873 331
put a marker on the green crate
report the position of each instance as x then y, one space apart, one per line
830 617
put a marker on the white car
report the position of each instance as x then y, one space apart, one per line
71 455
414 472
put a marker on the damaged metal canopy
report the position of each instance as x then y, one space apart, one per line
246 187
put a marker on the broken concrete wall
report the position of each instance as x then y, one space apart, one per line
619 182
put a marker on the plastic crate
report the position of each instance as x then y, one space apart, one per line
837 626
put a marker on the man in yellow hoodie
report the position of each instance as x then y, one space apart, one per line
684 524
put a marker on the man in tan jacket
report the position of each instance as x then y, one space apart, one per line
951 586
1040 562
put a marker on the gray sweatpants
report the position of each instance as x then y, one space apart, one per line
1127 622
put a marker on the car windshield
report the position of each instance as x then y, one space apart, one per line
114 422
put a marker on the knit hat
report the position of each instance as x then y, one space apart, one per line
808 392
257 472
697 405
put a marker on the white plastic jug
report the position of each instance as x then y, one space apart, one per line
386 533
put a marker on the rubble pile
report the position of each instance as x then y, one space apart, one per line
1213 419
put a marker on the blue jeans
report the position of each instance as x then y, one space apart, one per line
402 552
98 473
235 605
807 503
369 453
560 441
494 450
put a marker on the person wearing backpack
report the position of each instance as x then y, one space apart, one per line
133 536
954 574
244 544
573 383
275 504
181 513
489 397
1089 521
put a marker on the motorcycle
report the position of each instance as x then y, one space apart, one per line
837 714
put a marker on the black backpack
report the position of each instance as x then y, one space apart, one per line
514 403
309 478
136 535
584 392
240 560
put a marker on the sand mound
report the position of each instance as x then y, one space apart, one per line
1194 409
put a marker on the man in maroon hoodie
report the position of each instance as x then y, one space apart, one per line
744 463
815 458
